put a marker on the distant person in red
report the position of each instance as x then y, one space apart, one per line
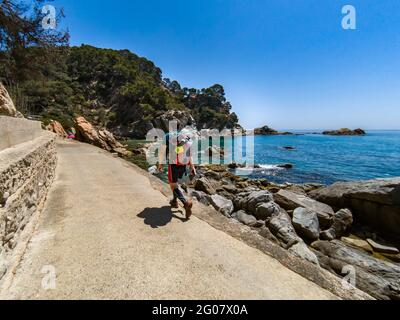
72 134
177 150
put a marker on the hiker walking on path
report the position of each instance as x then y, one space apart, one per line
177 151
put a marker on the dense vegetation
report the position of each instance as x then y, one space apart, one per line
21 27
117 88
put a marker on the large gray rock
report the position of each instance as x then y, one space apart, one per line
377 277
7 106
373 202
245 218
382 248
281 227
291 201
301 250
205 185
250 201
306 223
201 197
222 204
342 221
266 210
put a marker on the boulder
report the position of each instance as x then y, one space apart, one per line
235 165
285 166
222 205
57 128
87 133
267 234
250 201
245 218
377 277
100 138
301 250
306 223
201 197
266 210
342 221
358 243
230 188
373 202
382 248
7 107
108 138
281 227
291 201
205 185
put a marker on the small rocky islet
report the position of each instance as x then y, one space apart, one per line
345 132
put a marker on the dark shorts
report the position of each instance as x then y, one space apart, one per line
176 173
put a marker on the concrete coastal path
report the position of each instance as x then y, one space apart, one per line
106 233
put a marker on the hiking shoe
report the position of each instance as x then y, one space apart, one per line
174 204
188 209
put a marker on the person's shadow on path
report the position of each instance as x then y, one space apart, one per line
158 217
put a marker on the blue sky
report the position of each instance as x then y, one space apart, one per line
285 63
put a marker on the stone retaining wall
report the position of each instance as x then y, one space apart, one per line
14 131
26 172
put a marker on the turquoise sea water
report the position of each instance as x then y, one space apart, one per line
328 159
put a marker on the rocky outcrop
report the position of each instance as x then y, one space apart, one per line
281 227
7 107
203 184
291 201
378 278
183 119
377 247
222 205
306 223
201 197
264 131
374 202
245 218
267 131
57 128
301 250
100 138
26 173
267 210
345 132
251 200
342 222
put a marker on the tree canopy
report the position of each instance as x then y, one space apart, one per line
21 27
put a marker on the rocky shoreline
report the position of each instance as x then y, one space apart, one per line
331 235
350 229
